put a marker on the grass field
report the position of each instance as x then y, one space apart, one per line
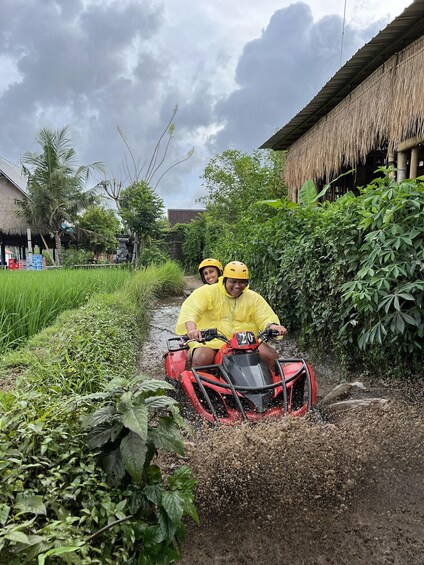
30 301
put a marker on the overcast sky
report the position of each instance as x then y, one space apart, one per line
237 69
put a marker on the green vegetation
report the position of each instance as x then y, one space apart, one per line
346 275
97 229
30 301
79 436
141 211
234 181
56 186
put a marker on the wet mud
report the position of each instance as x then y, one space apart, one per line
344 489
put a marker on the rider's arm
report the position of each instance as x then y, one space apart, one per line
265 315
192 310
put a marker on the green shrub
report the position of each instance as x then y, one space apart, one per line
97 495
346 275
73 256
153 255
384 301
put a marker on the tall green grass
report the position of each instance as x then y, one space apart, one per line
30 301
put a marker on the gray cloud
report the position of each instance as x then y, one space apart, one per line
99 65
280 72
74 63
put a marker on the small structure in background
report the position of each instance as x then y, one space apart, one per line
15 236
183 216
369 114
178 217
123 253
12 229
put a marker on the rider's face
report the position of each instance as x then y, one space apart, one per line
235 287
211 275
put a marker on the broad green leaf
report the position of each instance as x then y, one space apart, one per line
398 324
30 503
4 513
133 451
308 193
166 436
125 402
167 526
114 466
156 402
406 296
154 493
34 539
153 385
121 505
190 509
136 419
409 319
181 478
153 474
57 551
17 536
100 416
104 433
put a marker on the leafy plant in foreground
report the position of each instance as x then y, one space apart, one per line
135 422
58 500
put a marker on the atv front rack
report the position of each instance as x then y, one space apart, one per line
222 373
178 346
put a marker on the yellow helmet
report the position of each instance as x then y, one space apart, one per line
236 270
210 262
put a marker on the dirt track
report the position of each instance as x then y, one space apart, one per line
347 491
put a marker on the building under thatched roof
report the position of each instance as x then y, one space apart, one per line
12 188
13 230
370 113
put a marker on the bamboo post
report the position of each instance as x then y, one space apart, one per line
29 247
391 162
413 165
401 166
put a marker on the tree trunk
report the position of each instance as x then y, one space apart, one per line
58 243
135 249
47 249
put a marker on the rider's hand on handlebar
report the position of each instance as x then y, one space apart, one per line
195 335
276 327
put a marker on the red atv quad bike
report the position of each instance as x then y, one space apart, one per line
239 385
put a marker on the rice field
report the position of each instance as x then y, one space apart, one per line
30 301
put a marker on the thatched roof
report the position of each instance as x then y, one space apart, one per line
12 187
377 97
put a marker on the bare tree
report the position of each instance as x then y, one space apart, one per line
145 173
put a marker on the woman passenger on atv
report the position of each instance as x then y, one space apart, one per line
210 270
230 306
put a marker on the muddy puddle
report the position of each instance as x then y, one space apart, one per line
348 490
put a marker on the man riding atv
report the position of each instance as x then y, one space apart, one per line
230 306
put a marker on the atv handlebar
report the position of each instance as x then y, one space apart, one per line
214 333
267 334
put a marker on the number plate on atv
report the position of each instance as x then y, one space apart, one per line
245 338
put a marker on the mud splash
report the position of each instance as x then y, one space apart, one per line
306 492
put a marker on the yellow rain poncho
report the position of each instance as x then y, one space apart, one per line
210 306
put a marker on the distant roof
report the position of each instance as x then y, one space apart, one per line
182 216
400 33
13 174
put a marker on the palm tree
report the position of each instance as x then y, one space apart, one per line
55 186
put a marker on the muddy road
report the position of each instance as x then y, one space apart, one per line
348 490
